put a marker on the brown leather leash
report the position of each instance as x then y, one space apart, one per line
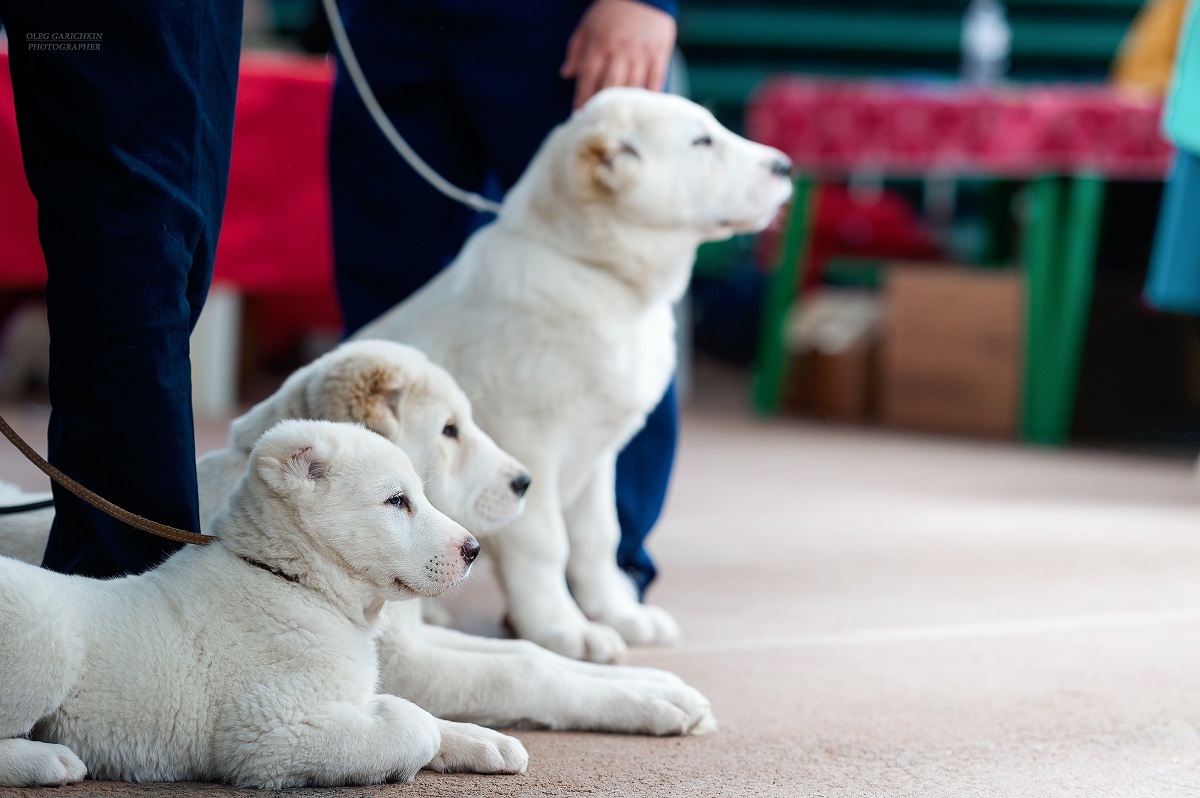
104 505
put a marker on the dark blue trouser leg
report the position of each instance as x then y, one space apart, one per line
127 150
473 85
643 471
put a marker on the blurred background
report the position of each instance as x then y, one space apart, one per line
978 187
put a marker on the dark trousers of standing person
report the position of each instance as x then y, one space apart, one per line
473 86
125 114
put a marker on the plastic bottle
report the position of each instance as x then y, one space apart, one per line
986 40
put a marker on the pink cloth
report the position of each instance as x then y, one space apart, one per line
840 126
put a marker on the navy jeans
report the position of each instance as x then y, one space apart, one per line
473 86
126 148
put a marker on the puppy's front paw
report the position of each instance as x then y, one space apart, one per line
28 763
595 642
707 724
664 709
408 730
467 748
645 625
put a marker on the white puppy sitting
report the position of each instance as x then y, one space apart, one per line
251 660
556 319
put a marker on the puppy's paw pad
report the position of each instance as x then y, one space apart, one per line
696 707
706 725
73 766
594 642
40 764
516 758
646 625
467 748
669 710
603 644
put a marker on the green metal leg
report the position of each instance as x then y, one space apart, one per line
771 361
1038 256
770 366
1085 205
1059 256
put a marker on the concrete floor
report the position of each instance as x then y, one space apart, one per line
878 614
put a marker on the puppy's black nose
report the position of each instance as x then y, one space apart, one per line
520 484
781 167
470 550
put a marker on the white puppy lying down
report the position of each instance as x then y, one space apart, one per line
556 319
250 660
394 390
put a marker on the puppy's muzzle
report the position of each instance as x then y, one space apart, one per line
520 484
781 167
469 549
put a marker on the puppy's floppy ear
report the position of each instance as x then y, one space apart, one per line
607 160
364 389
299 469
376 397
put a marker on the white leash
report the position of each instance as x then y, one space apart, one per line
468 198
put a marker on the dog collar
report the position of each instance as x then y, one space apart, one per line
271 570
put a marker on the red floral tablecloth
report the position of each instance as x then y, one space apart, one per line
839 126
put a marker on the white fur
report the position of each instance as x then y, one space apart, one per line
556 320
502 683
394 390
210 667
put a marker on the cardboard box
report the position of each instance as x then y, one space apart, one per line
953 346
833 339
837 387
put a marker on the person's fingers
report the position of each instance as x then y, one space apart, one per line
621 71
587 81
639 72
656 77
571 63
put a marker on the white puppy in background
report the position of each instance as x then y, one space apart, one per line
251 660
556 319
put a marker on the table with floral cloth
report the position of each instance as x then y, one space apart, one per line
1065 140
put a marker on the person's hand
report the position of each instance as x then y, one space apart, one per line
619 43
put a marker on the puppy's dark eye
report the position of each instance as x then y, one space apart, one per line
703 141
450 431
399 500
